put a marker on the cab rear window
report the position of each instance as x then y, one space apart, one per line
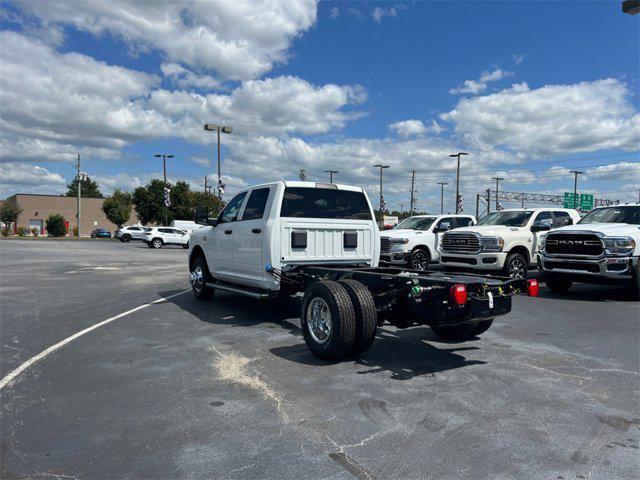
324 203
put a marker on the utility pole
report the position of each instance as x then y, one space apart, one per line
79 177
382 167
413 198
205 184
331 172
442 184
458 178
488 201
497 179
575 187
164 173
401 207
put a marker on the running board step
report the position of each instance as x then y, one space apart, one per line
240 290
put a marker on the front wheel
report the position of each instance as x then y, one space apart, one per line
156 243
126 238
456 332
515 266
557 285
419 259
198 277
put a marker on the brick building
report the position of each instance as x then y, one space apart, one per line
36 209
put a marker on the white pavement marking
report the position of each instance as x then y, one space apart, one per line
8 380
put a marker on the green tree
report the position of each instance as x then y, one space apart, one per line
117 207
149 202
201 199
89 189
9 212
181 202
55 226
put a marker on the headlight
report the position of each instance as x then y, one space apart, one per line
399 240
619 245
541 241
491 244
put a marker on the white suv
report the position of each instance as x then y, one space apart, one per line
158 236
414 242
131 232
504 241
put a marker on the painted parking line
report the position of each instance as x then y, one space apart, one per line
8 380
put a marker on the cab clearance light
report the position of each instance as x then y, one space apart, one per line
533 288
458 294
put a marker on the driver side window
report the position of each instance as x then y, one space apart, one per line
542 216
231 211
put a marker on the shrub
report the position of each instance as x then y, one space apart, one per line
21 231
56 226
5 232
35 231
75 231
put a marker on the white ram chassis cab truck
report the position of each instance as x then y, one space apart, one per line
321 240
414 242
602 248
504 241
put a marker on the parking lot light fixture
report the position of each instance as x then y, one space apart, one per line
331 172
381 167
164 173
210 127
459 154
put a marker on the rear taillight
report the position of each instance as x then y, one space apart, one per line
458 294
533 288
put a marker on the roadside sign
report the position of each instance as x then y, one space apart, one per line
584 201
569 200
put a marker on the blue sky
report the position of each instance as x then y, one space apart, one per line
530 89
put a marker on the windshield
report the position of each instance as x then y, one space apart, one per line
630 214
416 223
508 219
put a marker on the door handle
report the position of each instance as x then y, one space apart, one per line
228 232
256 230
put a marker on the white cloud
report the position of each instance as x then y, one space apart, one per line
475 87
181 77
18 177
378 13
554 119
240 40
518 58
408 128
622 171
202 161
334 12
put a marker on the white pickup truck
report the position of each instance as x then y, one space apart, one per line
414 242
322 240
504 241
602 248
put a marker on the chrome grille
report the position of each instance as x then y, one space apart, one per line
460 243
573 244
385 244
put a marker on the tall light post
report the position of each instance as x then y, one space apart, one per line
210 127
331 172
497 179
458 155
164 172
381 167
442 184
575 187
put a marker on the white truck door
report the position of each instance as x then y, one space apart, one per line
219 240
249 236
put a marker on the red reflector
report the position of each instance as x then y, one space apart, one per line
458 294
533 288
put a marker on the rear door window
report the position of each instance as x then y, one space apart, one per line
299 202
257 202
561 219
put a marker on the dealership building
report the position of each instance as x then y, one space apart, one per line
36 209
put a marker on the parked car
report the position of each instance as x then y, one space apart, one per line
322 240
131 232
414 242
157 237
602 248
101 233
504 241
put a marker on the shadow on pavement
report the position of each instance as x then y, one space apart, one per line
590 293
405 353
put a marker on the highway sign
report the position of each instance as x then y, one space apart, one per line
584 201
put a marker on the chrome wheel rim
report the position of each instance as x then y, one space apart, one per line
517 269
157 243
319 320
197 278
419 261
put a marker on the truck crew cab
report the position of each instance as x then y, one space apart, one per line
504 241
414 242
602 248
321 240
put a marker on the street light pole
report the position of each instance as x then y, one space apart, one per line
331 172
79 177
575 187
442 184
497 179
458 155
382 167
164 172
210 127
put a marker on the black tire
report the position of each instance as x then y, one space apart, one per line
515 262
126 238
482 327
149 244
366 315
200 290
342 324
419 259
558 285
156 243
635 284
455 332
185 245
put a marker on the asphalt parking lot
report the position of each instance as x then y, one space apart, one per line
227 389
